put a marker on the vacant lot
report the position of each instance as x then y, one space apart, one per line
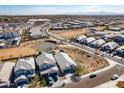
45 46
68 34
88 61
12 53
31 43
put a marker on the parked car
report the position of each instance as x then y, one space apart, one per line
114 77
92 76
75 78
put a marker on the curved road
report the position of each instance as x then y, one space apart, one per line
89 50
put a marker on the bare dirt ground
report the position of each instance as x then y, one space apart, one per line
68 34
31 43
88 61
16 52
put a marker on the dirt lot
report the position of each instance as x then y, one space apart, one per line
12 53
31 43
68 34
88 61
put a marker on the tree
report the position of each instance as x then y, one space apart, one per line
79 69
37 82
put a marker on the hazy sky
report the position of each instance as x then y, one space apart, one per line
57 9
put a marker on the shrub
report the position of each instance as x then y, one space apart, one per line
120 84
37 82
79 70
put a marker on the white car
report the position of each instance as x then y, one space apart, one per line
114 77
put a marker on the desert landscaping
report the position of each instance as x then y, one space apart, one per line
87 61
12 53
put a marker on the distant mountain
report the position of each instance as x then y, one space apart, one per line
102 13
76 13
97 13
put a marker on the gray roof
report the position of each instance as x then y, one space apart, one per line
55 68
98 42
45 58
112 45
25 63
5 71
81 37
63 60
89 39
48 59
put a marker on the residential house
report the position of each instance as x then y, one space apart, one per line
24 70
108 37
119 39
82 37
114 28
109 47
65 63
6 71
47 65
9 35
119 51
1 36
88 40
97 43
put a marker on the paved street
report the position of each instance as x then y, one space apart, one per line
99 79
111 84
